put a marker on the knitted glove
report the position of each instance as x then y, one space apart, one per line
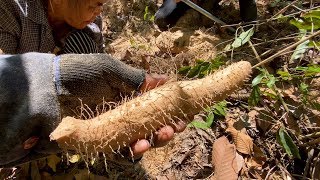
93 78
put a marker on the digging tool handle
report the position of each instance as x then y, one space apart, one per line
206 13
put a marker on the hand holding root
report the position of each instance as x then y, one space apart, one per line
164 134
143 116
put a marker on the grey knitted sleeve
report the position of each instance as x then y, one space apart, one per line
94 77
36 88
28 105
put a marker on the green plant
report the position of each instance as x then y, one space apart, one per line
307 22
137 45
218 109
301 75
147 15
264 79
287 143
202 68
240 40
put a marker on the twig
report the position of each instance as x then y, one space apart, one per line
283 10
306 169
284 170
269 173
312 135
316 141
260 22
255 51
286 49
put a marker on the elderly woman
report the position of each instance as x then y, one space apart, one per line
42 25
38 89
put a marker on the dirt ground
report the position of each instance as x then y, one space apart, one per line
139 42
133 37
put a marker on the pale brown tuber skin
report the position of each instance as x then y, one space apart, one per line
140 117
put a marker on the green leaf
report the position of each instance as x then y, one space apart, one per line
254 96
271 81
314 44
199 70
306 24
300 50
53 160
146 13
220 108
152 18
243 38
194 71
184 70
287 143
217 63
304 88
199 61
312 14
209 119
198 124
257 80
271 95
285 75
315 105
282 19
312 70
300 68
203 125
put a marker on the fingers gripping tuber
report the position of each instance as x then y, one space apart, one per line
143 115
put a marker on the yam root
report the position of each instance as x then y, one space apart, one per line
143 115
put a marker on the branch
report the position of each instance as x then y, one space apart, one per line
286 49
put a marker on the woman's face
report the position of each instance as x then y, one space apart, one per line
87 12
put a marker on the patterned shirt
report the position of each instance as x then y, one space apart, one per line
24 27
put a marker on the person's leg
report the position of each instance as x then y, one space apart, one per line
79 42
248 10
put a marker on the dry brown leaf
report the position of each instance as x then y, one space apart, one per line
243 142
258 155
263 119
252 118
292 123
291 93
256 174
254 163
316 170
226 161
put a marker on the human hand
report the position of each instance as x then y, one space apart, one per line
164 134
152 81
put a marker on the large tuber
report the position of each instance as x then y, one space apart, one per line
143 115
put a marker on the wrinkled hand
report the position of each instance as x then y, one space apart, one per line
164 134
